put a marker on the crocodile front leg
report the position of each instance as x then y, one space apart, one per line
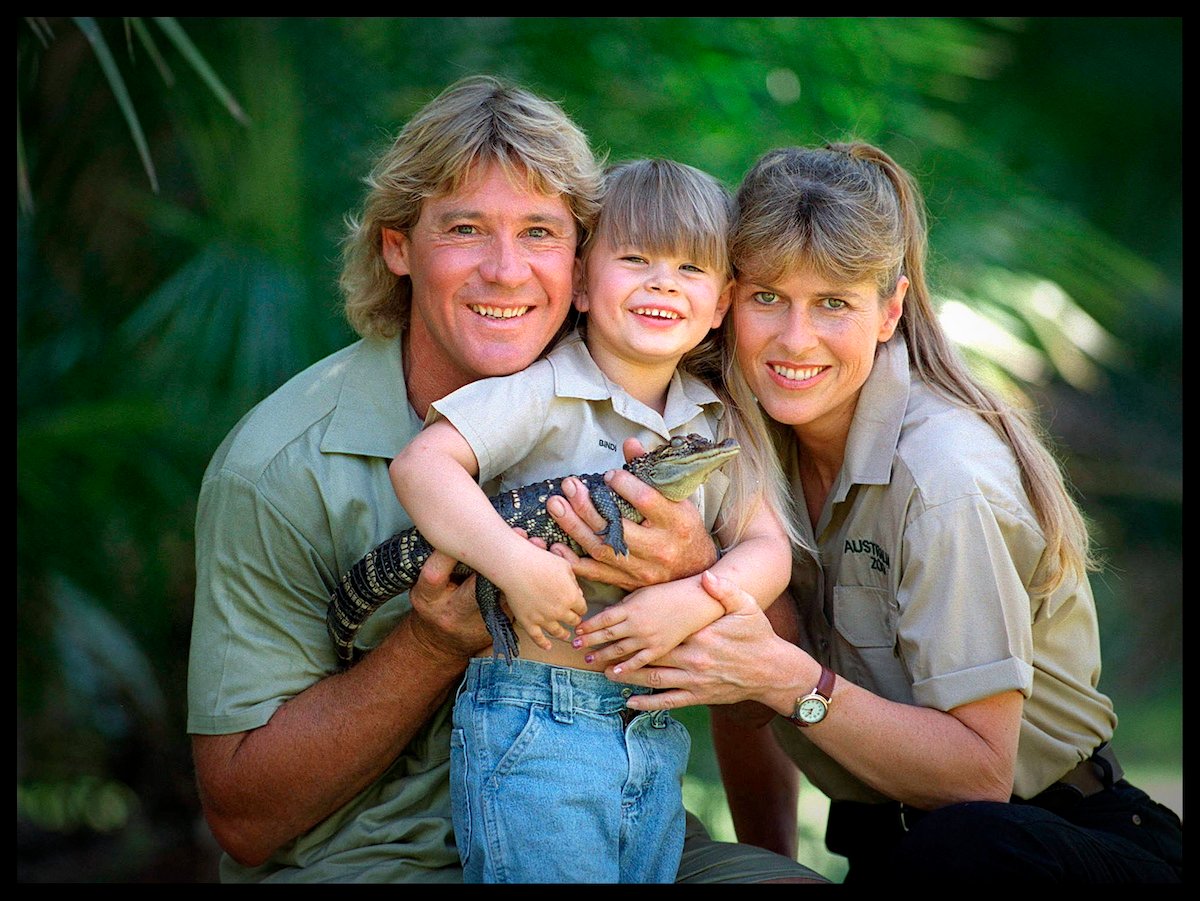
499 626
604 499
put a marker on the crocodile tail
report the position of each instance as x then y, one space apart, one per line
390 569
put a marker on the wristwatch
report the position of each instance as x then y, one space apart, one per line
813 707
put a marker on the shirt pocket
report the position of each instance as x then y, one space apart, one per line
866 620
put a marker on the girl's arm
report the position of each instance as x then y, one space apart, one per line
434 478
653 620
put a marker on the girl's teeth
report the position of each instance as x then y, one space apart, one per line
661 314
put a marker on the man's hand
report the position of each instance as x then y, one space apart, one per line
445 617
670 543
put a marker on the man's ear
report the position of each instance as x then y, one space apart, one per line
723 304
395 251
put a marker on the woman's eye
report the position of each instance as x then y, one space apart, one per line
834 303
765 298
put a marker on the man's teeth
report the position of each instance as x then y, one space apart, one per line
499 312
797 375
661 314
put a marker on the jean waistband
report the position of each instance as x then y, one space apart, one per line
564 690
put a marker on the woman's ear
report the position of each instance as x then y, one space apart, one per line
893 308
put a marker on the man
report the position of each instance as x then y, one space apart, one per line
460 268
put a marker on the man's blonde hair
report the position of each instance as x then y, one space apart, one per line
477 120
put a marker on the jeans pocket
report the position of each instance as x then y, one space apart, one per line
460 794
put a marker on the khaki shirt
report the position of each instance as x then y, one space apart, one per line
563 416
918 592
295 495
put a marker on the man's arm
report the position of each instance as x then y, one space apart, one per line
262 788
671 543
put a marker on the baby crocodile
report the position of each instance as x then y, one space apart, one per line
676 469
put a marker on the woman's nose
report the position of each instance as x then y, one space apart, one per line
798 334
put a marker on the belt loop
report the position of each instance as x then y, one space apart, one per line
561 696
659 719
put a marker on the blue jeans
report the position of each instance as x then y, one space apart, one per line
549 784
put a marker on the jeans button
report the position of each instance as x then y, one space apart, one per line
626 692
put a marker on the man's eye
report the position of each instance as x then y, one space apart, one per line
538 232
464 230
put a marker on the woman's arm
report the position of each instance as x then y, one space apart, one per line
917 755
456 517
762 784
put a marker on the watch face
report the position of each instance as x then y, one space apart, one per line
811 710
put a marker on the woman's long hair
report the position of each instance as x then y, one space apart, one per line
850 213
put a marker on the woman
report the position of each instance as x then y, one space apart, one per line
942 688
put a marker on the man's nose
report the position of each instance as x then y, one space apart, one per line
504 263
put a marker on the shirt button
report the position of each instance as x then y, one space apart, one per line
1137 820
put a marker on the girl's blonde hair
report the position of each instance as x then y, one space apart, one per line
662 206
849 213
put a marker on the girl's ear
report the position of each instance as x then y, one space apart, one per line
723 304
579 283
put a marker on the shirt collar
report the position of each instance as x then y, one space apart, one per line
372 417
878 416
576 375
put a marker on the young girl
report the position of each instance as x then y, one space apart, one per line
553 778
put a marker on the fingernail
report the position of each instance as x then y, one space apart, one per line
589 658
616 670
568 488
577 643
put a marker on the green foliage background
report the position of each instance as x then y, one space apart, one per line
149 321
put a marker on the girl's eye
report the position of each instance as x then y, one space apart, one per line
633 258
692 267
765 298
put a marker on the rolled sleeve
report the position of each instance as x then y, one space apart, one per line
965 622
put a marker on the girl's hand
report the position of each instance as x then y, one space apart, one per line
646 624
544 597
